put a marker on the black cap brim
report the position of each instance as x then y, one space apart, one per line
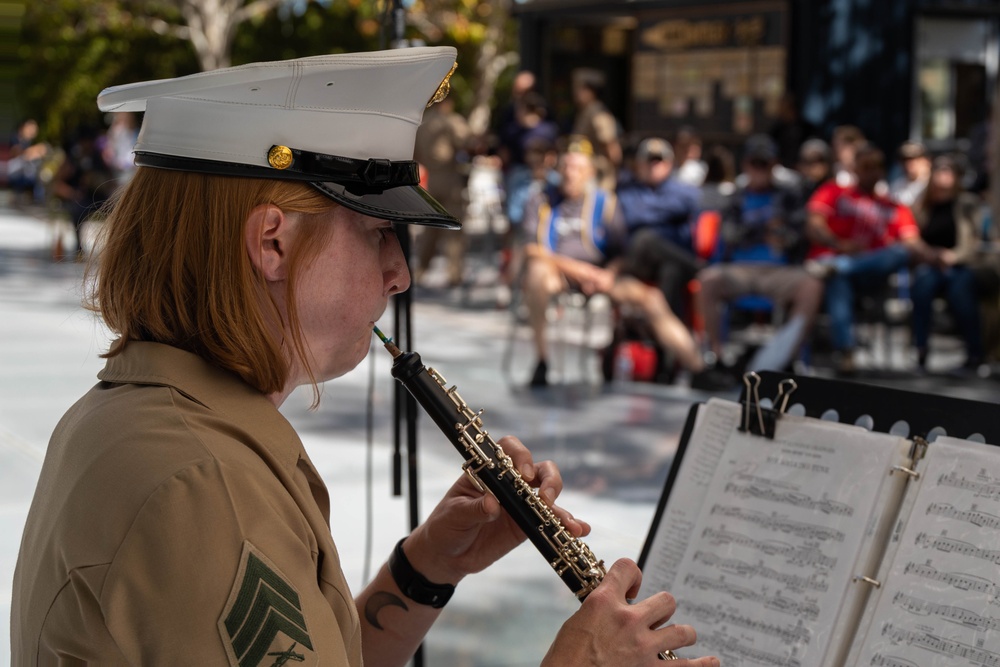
400 203
406 203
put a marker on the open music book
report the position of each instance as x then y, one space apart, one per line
830 545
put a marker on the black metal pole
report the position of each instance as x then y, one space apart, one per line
404 405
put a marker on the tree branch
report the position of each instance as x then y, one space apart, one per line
255 9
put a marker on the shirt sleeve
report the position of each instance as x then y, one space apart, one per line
824 199
218 569
905 227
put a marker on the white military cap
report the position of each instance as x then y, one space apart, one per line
345 123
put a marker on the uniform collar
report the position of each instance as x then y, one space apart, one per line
219 390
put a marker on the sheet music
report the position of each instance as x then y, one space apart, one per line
781 525
691 485
940 601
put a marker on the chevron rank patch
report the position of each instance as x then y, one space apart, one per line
262 624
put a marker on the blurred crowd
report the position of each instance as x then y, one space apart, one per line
69 181
807 233
811 234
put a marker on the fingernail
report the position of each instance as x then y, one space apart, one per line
526 472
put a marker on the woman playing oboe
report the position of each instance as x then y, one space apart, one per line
178 519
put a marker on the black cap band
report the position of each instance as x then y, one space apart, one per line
372 174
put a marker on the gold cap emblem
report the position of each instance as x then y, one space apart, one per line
443 89
280 157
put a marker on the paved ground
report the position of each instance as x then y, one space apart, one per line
614 443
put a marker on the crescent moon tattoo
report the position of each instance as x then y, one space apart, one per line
379 601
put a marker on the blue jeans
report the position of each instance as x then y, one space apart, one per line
958 286
865 271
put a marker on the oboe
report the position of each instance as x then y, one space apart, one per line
491 469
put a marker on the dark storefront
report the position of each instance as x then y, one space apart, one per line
898 70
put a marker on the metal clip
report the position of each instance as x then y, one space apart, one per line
903 469
752 382
868 580
785 389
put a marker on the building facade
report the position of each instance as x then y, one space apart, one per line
897 69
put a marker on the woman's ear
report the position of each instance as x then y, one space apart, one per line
268 234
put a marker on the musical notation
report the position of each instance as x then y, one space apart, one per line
747 570
764 491
879 660
975 517
931 642
963 617
712 614
722 644
990 489
776 522
953 546
805 556
807 609
965 582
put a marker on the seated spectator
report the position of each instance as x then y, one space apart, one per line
24 163
688 164
541 157
948 219
83 182
845 142
659 213
815 166
908 186
574 232
763 243
531 127
720 177
859 239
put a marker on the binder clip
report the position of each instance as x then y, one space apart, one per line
756 418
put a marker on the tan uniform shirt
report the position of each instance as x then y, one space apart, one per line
178 521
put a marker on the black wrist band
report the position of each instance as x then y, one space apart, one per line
415 585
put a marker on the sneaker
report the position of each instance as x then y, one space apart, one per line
539 379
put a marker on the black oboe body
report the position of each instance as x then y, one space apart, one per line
493 470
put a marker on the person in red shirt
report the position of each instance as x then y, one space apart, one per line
859 238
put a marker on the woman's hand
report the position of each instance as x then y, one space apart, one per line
607 630
468 530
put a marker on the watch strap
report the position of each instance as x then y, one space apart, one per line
415 585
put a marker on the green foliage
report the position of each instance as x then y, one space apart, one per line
315 29
70 50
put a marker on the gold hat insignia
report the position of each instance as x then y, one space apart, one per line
443 89
280 157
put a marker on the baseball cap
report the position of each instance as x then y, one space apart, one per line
344 123
654 148
760 147
814 150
